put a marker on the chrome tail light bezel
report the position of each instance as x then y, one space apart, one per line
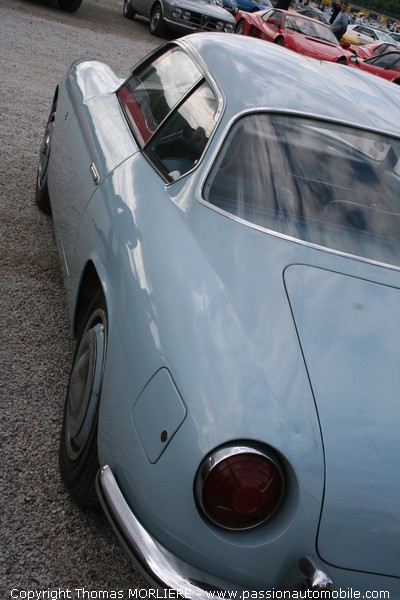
223 454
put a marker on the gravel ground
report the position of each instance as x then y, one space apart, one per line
48 544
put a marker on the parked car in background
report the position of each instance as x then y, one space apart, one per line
181 16
386 65
395 36
252 5
369 50
229 5
231 258
366 35
314 13
296 32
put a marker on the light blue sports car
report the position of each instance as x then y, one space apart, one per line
231 256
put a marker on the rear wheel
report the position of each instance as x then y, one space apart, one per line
240 28
128 11
69 5
157 25
78 454
42 197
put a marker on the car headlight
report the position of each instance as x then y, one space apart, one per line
219 26
186 15
228 28
239 487
176 13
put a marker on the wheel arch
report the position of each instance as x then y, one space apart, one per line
55 95
162 27
91 282
239 24
154 4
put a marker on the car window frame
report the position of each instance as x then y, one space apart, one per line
206 76
148 60
154 159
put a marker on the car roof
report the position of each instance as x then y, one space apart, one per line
259 74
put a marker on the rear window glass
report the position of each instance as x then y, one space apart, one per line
322 183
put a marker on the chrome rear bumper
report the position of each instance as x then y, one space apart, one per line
165 571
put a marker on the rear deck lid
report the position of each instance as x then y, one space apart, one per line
349 331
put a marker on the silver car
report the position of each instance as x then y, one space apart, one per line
369 35
182 16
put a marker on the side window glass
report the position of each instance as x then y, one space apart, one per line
385 61
179 143
274 14
278 16
155 88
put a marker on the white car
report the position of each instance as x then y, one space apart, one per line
368 35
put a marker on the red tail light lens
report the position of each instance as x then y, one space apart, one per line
239 487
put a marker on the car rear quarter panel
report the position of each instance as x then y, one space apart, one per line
230 348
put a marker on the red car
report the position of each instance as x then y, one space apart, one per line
296 32
369 50
386 65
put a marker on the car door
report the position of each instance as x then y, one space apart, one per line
272 24
85 148
143 7
366 35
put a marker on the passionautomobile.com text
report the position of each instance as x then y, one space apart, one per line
81 593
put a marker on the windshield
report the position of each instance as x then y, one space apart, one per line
310 27
383 36
322 183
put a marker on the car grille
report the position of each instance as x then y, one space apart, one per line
254 32
203 21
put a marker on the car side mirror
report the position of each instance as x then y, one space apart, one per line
354 59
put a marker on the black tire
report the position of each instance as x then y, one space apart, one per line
239 29
157 25
42 197
128 11
280 41
69 5
78 454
